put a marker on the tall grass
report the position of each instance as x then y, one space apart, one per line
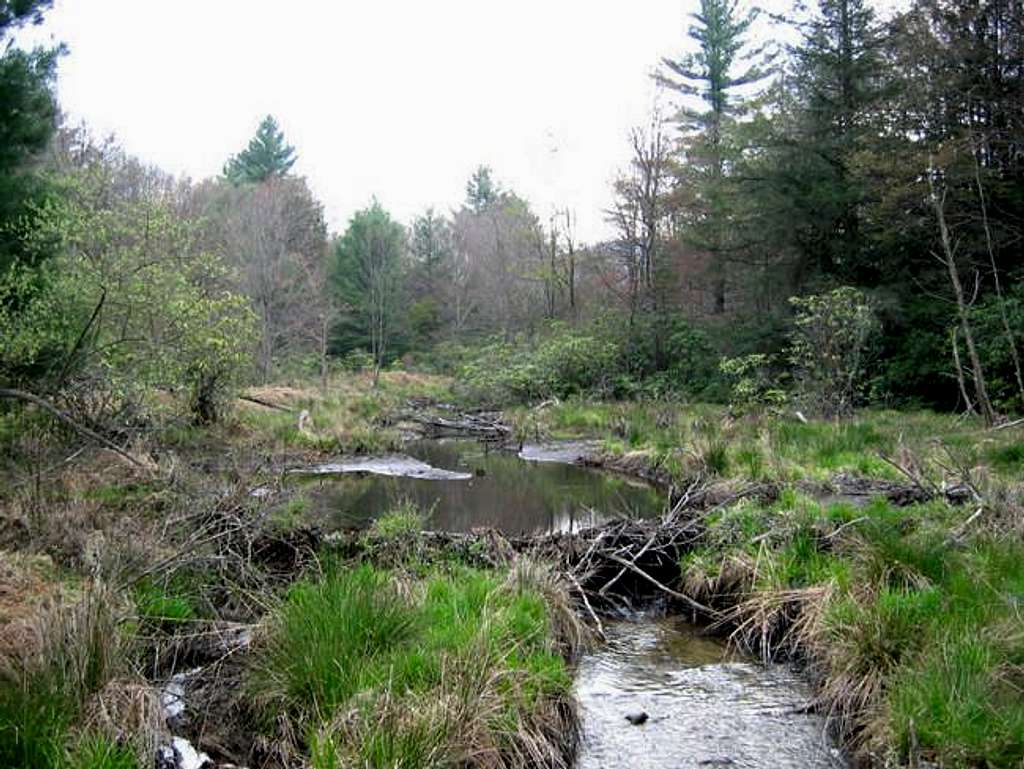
917 637
693 438
382 670
46 677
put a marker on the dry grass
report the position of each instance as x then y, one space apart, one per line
127 711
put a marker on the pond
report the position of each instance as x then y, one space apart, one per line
533 491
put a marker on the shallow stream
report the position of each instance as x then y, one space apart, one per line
705 707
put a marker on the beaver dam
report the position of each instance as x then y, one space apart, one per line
659 686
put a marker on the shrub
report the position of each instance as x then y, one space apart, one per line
755 383
827 348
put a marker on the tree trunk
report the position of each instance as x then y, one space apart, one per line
1007 331
949 258
323 355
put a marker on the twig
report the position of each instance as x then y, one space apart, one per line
846 525
931 489
586 602
959 530
622 571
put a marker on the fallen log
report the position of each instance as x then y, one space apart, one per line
267 404
464 424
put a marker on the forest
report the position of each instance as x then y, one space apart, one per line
813 291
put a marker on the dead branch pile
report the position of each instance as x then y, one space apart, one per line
616 566
484 424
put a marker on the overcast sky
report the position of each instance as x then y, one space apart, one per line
394 98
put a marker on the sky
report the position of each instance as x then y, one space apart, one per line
396 99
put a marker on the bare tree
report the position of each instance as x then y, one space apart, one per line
640 211
274 235
937 199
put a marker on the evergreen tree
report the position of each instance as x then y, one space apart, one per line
838 77
431 250
365 273
714 81
28 112
268 155
481 190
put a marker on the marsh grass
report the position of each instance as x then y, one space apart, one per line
692 438
48 672
351 418
168 601
383 669
915 636
96 751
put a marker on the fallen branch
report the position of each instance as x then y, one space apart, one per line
268 404
675 594
49 408
1005 425
586 602
960 530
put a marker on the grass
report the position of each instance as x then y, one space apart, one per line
168 602
696 438
917 638
453 668
97 751
46 678
351 418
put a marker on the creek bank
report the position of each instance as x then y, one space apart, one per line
844 488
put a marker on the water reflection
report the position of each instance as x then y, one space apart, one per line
504 492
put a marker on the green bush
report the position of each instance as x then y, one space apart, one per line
653 358
828 348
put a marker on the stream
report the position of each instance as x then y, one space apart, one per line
702 704
706 707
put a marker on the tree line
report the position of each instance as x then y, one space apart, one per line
874 161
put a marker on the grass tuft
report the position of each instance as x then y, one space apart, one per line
457 668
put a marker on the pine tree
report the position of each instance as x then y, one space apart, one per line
268 155
366 273
481 190
28 116
714 81
838 75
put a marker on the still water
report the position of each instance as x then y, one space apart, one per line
706 707
535 491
